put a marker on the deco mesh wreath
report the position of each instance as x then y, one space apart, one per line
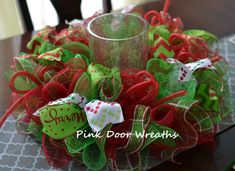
59 90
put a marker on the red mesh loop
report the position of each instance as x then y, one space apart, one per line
54 90
152 17
164 115
19 74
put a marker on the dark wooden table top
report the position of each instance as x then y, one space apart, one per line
216 16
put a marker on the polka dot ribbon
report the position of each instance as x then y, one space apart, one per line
99 114
65 116
186 71
72 98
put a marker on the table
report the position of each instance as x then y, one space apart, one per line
18 152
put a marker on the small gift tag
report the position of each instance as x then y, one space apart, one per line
63 117
59 121
100 113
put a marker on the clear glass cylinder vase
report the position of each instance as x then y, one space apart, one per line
118 39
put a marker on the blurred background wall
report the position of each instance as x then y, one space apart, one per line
10 19
43 13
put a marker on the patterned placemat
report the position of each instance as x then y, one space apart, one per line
227 50
23 153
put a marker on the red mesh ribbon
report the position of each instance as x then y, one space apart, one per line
181 121
48 81
55 154
155 18
49 87
139 88
188 48
50 35
73 35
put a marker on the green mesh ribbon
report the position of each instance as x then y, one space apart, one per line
193 121
105 79
28 128
94 155
162 49
140 138
26 64
76 145
110 86
53 55
97 72
34 44
208 98
138 126
83 57
209 37
23 63
84 87
56 54
131 151
92 148
77 48
45 35
36 130
203 119
158 129
142 126
46 47
231 166
161 31
214 92
167 76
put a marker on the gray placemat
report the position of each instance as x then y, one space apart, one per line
23 153
227 50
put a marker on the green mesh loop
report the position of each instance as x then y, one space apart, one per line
97 72
157 129
75 145
46 47
219 85
77 47
84 87
26 64
161 31
209 37
83 57
94 155
166 75
36 130
138 126
111 84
